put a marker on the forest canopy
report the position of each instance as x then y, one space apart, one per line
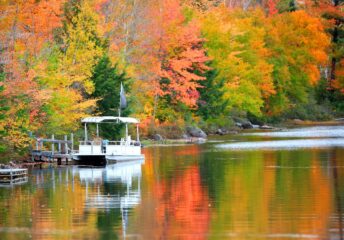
182 62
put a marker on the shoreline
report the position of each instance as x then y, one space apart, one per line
297 122
294 123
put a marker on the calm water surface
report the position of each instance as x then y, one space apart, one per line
266 185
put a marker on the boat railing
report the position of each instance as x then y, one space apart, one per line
123 142
95 142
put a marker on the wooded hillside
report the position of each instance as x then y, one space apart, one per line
182 62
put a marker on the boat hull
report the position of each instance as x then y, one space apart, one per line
121 158
89 159
102 159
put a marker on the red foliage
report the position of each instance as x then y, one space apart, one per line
272 7
179 52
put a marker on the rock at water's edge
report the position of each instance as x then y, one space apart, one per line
196 132
158 137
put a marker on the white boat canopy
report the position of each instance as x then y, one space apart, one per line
109 119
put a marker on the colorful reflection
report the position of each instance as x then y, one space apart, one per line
184 192
72 203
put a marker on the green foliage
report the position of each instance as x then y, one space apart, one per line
211 103
64 104
107 81
334 99
309 111
286 6
298 44
211 125
237 48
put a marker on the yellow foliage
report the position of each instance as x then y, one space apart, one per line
236 45
82 50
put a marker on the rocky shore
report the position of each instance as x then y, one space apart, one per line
194 134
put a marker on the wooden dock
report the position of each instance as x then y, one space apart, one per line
43 153
13 176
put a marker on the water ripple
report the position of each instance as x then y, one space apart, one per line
284 144
309 132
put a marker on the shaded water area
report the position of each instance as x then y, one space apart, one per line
281 185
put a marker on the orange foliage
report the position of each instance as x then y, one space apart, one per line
25 27
332 15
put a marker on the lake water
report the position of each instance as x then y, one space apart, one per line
267 185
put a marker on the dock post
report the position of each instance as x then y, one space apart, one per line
59 161
52 147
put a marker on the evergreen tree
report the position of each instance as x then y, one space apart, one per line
107 81
211 103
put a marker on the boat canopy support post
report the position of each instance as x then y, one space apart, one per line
137 133
126 131
52 145
97 130
86 139
72 139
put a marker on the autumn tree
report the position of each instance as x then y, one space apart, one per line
237 46
172 53
82 47
66 104
298 46
26 27
333 16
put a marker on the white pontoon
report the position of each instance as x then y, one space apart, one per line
102 151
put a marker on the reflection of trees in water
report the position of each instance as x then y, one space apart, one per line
337 175
106 222
183 208
62 203
267 192
164 162
175 204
